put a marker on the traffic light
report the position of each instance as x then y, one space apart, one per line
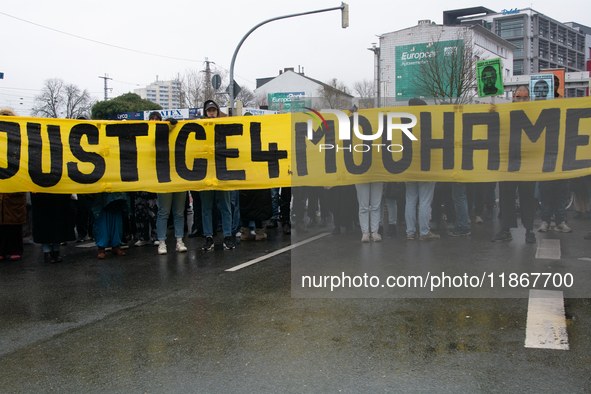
345 15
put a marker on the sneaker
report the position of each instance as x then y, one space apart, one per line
246 235
208 244
141 243
228 244
530 237
544 227
478 220
260 234
429 236
411 236
365 237
156 243
562 227
180 245
238 234
503 235
272 223
376 237
459 232
162 248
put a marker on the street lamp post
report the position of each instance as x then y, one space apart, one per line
345 23
376 51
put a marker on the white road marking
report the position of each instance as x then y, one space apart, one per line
546 322
275 253
584 258
548 249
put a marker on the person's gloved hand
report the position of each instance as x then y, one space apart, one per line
172 121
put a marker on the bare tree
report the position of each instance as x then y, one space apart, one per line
247 97
450 74
58 99
335 94
366 91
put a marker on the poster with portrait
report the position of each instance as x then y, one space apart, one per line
558 81
490 77
541 87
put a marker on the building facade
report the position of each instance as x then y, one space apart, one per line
165 93
542 42
400 53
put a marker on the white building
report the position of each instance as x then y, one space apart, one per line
165 93
291 91
395 71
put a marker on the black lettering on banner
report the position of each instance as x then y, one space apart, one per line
491 143
573 139
163 153
272 156
428 143
13 149
56 155
199 171
222 153
127 133
549 120
392 166
366 156
92 135
301 154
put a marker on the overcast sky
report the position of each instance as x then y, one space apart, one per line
189 31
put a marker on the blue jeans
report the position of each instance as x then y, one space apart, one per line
275 202
166 201
369 196
458 191
421 194
207 200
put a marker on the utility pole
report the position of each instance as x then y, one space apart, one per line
106 88
208 91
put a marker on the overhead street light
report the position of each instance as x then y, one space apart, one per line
344 23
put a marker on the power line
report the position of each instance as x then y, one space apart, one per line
97 42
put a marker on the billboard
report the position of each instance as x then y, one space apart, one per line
541 86
490 77
288 101
408 62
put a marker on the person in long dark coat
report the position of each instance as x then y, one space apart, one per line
257 206
53 223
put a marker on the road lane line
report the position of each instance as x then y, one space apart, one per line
275 253
546 322
548 249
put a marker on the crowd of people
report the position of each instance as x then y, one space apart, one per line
117 220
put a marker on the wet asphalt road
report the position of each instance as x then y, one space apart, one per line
180 323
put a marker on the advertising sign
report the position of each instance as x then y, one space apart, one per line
541 87
170 113
288 101
409 59
490 77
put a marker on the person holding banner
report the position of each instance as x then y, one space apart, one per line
166 202
208 197
13 214
527 199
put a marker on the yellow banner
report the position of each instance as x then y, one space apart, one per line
540 140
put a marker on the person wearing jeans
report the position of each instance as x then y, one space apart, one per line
176 201
421 194
369 196
458 191
208 198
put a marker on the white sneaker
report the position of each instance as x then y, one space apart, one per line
141 243
544 227
365 237
376 237
478 220
562 227
156 243
162 248
180 245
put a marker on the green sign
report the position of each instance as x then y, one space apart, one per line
490 77
288 101
408 63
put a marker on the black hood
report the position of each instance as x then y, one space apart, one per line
208 103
